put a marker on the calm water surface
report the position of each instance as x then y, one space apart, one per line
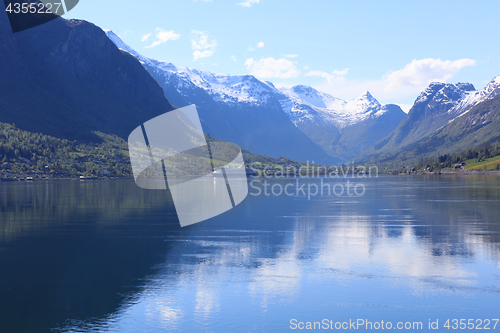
106 256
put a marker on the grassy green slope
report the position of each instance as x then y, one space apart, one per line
486 165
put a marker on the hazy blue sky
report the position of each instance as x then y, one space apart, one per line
391 48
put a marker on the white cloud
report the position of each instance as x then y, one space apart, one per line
202 54
203 44
146 37
248 3
336 75
163 36
419 73
200 40
233 58
272 68
291 55
400 86
258 46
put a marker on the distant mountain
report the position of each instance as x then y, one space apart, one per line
67 79
235 108
258 116
438 106
479 125
343 129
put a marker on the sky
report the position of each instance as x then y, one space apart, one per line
393 49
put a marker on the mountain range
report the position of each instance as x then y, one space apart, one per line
343 129
361 130
438 121
263 118
235 108
70 79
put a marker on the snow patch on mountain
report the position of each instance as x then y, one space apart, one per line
472 98
223 87
301 103
305 103
311 96
459 98
444 93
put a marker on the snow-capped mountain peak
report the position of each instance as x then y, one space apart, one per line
236 107
362 104
455 100
465 86
473 98
222 87
299 102
312 97
493 85
366 96
445 93
306 104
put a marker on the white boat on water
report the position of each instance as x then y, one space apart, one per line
237 171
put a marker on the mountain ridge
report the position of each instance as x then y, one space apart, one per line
342 128
437 106
222 95
234 108
479 126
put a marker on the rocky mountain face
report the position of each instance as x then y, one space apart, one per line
67 79
437 106
235 108
343 129
479 125
300 122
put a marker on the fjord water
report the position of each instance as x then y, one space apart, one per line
105 256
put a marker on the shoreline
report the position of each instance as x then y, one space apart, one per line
469 172
51 179
440 173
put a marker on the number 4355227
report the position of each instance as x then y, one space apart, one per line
471 324
40 8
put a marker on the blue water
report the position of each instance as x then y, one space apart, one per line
106 256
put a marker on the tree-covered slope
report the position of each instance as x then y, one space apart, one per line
24 153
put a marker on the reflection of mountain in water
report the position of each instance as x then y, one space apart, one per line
105 251
72 249
269 251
